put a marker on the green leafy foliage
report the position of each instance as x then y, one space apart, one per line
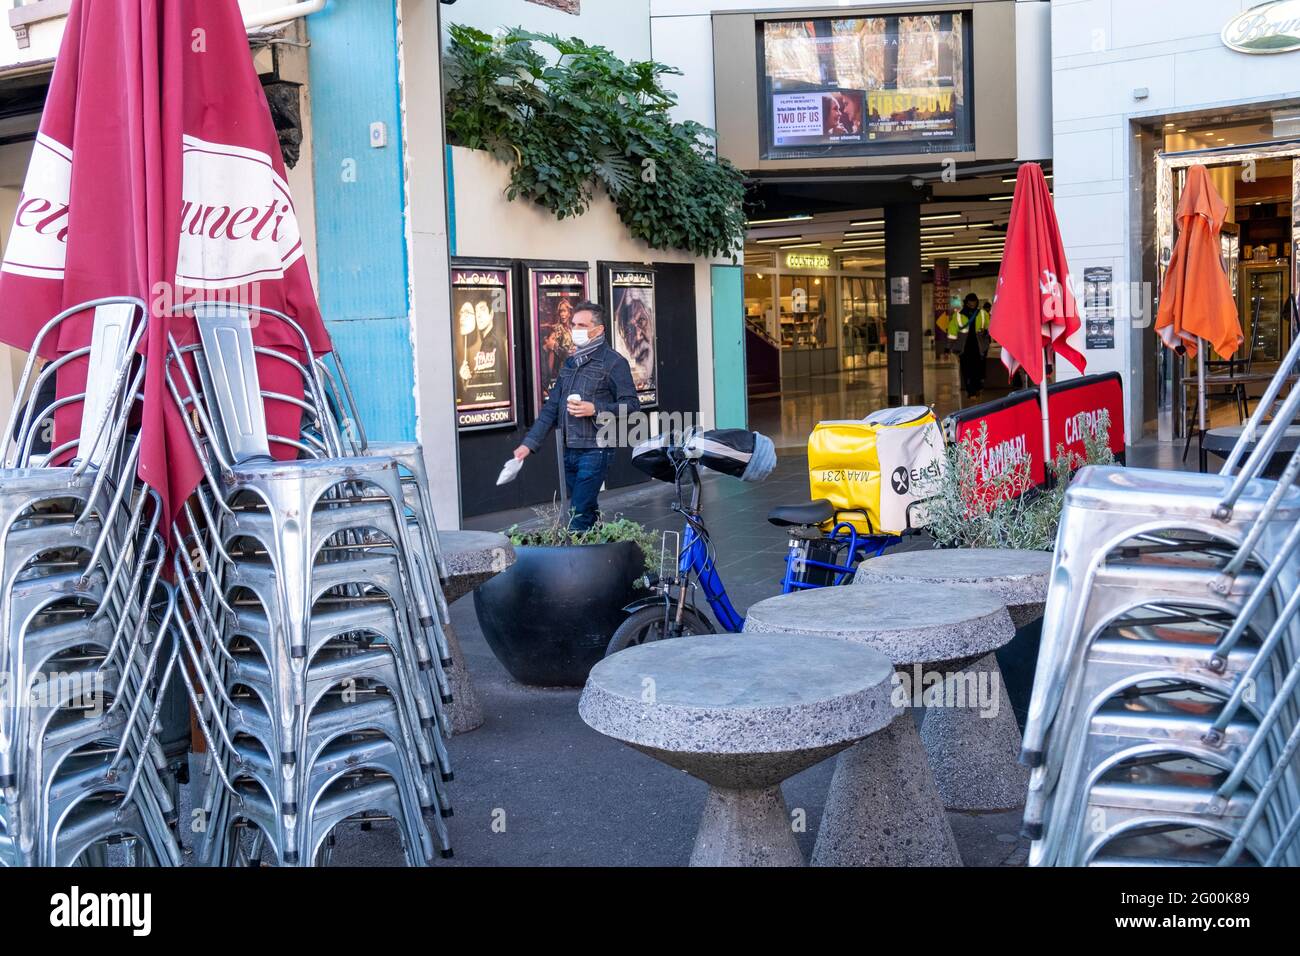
583 119
552 530
967 508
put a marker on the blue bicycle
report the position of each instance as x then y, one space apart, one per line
818 559
688 564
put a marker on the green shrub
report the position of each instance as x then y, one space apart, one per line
553 531
965 508
584 117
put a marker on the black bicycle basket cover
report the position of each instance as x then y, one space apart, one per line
727 450
651 457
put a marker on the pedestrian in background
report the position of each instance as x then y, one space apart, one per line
970 329
594 379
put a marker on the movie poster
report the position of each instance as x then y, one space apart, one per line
831 117
631 304
889 83
483 346
553 293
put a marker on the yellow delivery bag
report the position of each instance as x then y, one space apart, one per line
872 469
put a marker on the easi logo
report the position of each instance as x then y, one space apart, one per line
1083 425
75 909
904 478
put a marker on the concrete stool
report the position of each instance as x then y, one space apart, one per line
471 557
742 714
975 757
884 808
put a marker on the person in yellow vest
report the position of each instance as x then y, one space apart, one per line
943 313
969 328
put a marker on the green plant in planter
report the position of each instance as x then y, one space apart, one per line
553 531
966 508
584 118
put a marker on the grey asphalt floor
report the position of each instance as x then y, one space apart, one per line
535 786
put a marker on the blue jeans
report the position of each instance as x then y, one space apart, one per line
584 473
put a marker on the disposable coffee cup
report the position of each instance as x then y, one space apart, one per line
575 397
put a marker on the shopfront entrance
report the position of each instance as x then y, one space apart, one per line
815 339
819 343
1261 186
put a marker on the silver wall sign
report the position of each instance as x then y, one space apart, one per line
1272 27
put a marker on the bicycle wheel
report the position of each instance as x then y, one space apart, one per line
648 624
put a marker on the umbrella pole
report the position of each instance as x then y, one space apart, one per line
1200 385
1047 432
1200 394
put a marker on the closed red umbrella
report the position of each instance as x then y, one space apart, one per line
1034 311
157 173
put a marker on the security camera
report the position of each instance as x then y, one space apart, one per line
918 183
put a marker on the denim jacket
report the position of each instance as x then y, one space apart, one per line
602 378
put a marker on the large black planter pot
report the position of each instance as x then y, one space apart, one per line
549 615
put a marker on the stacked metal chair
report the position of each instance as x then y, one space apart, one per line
1164 722
409 457
86 644
309 614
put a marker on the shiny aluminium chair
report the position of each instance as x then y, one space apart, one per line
1174 598
1236 515
287 550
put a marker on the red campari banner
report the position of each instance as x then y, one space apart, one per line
1075 408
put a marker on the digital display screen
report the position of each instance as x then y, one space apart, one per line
866 85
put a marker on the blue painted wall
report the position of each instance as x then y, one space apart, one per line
360 227
730 401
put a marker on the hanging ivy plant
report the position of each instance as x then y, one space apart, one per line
583 118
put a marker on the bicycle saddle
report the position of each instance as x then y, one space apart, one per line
810 513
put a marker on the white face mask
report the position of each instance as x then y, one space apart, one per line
580 337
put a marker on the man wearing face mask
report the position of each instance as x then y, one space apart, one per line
594 380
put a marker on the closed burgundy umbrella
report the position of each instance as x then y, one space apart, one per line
157 174
1034 312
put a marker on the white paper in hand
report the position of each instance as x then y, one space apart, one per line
510 471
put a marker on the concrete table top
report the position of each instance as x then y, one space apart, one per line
947 628
742 713
907 624
472 557
1018 577
739 694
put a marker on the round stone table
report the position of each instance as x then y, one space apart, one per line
741 713
470 558
974 753
883 807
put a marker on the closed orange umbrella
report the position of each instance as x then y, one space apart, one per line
1196 300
